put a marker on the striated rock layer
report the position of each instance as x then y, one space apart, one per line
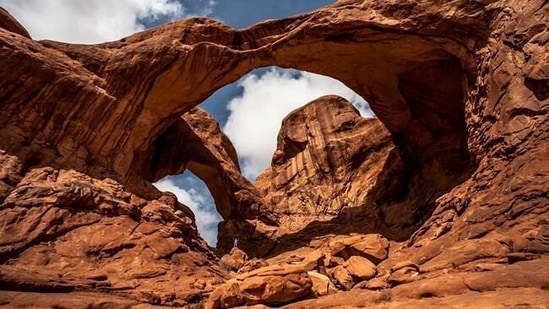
458 176
63 231
328 159
334 170
116 99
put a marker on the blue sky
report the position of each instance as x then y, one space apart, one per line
249 110
243 13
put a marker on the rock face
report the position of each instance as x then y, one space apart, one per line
209 154
334 170
126 111
327 162
455 175
11 24
63 231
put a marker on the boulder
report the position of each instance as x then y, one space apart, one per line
268 289
374 247
371 246
275 290
252 264
321 284
272 285
226 296
235 260
360 267
343 277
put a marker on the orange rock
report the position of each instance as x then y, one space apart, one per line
456 158
226 296
342 275
235 260
69 231
403 275
11 24
315 164
372 246
253 264
275 290
321 284
360 267
266 288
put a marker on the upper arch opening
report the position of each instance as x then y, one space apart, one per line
250 112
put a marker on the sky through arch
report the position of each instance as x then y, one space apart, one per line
265 97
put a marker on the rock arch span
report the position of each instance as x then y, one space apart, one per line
102 108
142 84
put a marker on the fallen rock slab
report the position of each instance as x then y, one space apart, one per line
322 285
360 267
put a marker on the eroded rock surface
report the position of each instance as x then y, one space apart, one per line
209 154
457 181
11 24
63 231
328 162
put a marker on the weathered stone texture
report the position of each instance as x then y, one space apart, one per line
453 172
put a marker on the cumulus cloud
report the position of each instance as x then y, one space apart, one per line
94 21
205 7
255 116
198 198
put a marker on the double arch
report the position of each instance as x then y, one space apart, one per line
414 75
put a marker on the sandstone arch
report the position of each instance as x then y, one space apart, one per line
414 77
102 108
142 84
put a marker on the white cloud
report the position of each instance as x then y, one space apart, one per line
207 10
207 217
93 21
256 116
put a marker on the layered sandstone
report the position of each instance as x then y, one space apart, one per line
11 24
63 231
328 161
457 179
210 155
127 111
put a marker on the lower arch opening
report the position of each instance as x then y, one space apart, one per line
192 192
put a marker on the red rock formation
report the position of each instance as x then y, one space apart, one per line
208 153
327 161
137 108
63 231
11 24
461 86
